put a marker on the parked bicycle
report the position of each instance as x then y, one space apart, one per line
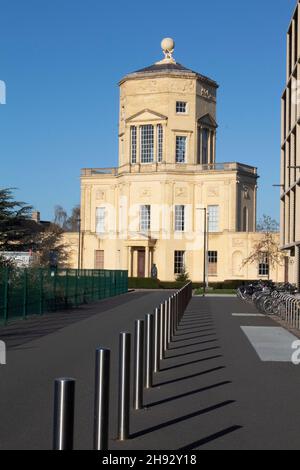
268 297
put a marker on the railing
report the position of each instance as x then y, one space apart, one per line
155 167
25 292
289 310
99 171
152 340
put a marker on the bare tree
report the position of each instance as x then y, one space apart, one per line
267 248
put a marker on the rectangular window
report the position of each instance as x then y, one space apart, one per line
205 134
145 218
100 220
212 263
147 144
181 107
213 218
263 267
133 143
160 139
180 149
179 218
179 266
99 259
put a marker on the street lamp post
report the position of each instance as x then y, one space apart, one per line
79 243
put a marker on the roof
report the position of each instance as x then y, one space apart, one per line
168 68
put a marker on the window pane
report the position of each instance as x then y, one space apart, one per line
179 262
147 144
100 220
180 149
264 267
133 144
159 143
212 263
179 218
145 218
204 146
181 107
99 259
213 218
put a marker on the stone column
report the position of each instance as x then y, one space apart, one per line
129 263
147 261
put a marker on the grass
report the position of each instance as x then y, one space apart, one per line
216 291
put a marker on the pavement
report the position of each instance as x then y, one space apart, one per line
215 391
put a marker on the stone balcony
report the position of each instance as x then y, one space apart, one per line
169 167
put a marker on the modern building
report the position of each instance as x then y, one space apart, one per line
168 192
290 151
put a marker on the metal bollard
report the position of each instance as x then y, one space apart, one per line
149 351
161 332
156 365
169 321
64 407
139 365
124 386
101 409
165 327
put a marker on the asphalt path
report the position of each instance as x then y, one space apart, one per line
214 391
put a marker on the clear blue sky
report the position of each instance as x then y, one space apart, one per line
62 59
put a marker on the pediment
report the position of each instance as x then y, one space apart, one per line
208 120
146 115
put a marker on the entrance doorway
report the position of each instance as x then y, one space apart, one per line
141 263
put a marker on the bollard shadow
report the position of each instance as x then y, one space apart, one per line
190 331
193 344
187 394
192 362
188 326
194 337
192 376
211 438
194 352
182 419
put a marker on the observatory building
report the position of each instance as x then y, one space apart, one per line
169 204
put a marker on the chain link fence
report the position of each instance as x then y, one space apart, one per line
35 291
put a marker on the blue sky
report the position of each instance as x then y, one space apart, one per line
62 59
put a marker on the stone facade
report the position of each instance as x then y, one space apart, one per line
151 208
290 150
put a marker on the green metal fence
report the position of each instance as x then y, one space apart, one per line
35 291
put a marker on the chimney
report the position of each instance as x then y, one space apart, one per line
36 216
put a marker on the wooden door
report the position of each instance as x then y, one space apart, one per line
141 263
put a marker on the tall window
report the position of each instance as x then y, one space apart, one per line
213 218
179 266
147 144
181 142
99 259
245 220
179 218
160 140
145 218
205 134
212 263
133 143
181 107
100 220
263 266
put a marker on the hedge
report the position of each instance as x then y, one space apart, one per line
149 283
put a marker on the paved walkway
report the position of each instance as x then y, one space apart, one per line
215 391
